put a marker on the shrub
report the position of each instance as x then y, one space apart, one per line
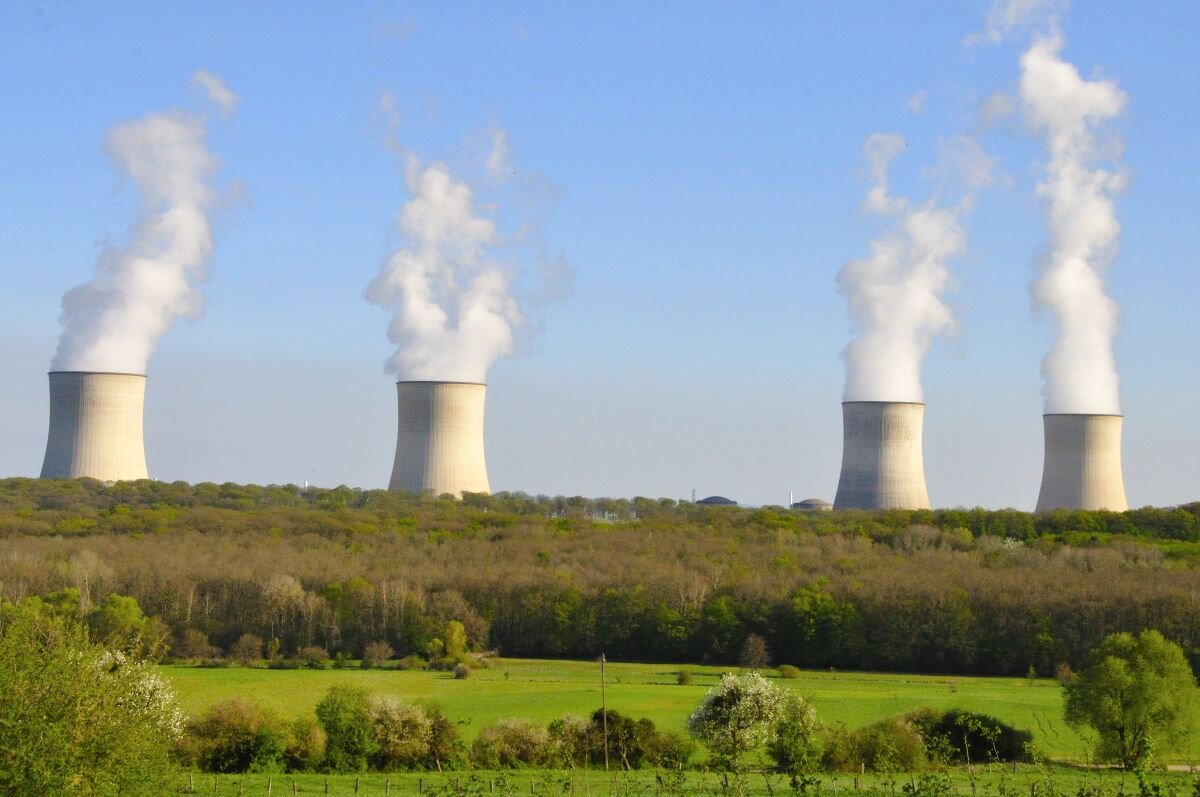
284 664
736 716
305 748
445 746
345 716
462 671
965 737
248 650
235 736
890 745
90 721
193 645
569 741
314 657
412 662
668 749
402 733
683 678
788 671
510 743
795 746
342 661
376 654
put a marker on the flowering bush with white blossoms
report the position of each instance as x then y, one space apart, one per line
737 715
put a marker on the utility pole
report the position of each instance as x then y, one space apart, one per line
604 711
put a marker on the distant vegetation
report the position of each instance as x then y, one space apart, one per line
315 578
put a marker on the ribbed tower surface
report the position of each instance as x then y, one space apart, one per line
95 427
439 440
1082 468
883 466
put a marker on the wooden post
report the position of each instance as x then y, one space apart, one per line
356 784
327 785
270 785
294 787
387 788
604 710
420 786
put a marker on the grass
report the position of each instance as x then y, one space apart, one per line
983 782
546 690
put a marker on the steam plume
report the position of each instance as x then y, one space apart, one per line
454 309
894 293
113 323
1071 113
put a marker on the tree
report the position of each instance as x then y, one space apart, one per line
76 718
736 716
755 655
796 746
1135 691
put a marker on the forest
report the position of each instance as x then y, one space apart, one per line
966 591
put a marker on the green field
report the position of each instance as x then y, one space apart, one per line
983 782
545 690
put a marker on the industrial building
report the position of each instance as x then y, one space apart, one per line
439 438
1082 467
95 427
883 465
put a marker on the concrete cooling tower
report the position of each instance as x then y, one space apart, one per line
1082 469
882 463
439 442
95 427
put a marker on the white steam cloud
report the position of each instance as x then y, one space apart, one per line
1072 114
894 294
454 309
113 323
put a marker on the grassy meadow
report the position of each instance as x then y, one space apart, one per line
984 781
545 690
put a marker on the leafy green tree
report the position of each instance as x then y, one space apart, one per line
1136 691
737 716
795 747
345 716
118 621
76 718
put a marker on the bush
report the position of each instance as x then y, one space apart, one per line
248 650
462 671
305 748
890 745
78 719
342 661
569 741
667 749
796 746
445 746
510 743
402 734
284 664
683 678
964 737
193 645
345 716
235 736
788 671
412 662
314 657
376 654
736 716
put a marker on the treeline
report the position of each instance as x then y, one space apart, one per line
953 591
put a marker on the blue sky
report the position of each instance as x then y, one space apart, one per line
699 165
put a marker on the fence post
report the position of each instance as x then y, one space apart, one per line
270 785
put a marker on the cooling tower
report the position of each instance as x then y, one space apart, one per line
439 442
1082 469
95 427
882 463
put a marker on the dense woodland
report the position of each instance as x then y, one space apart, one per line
948 591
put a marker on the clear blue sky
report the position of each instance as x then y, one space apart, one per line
706 166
